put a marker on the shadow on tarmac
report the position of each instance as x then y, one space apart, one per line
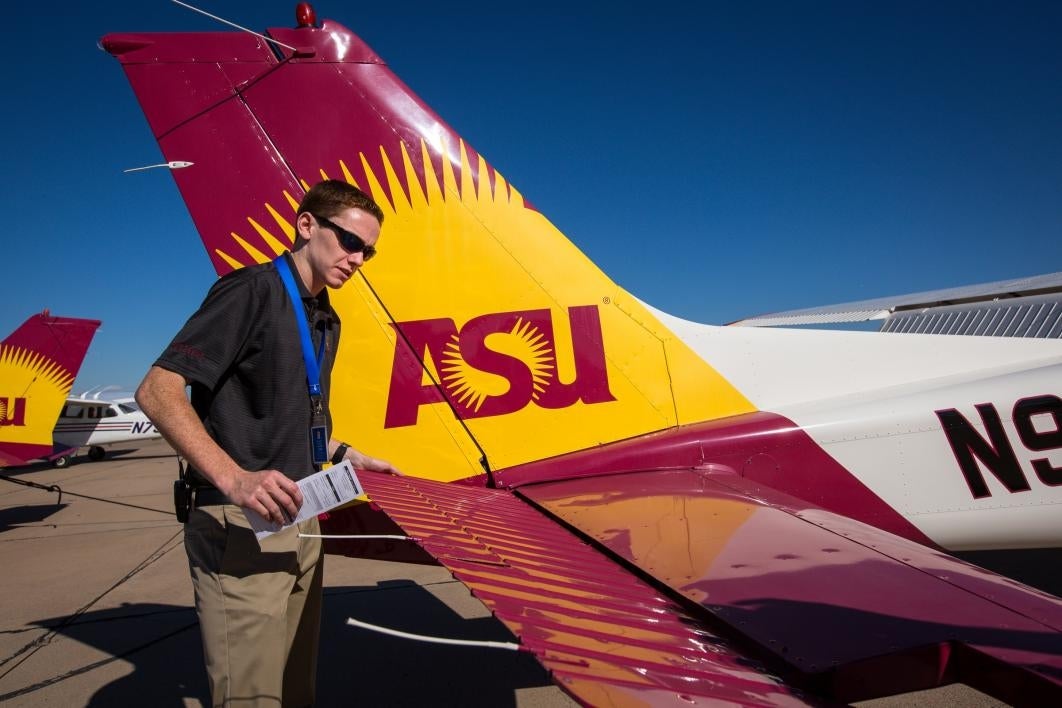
355 666
18 515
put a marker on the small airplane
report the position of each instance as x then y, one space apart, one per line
38 364
91 421
664 512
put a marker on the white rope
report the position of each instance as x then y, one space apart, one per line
233 24
372 538
434 640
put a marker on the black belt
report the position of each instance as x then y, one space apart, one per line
208 496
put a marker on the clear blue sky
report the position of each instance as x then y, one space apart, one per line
718 160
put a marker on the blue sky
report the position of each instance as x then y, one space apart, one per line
718 160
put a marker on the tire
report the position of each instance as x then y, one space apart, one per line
96 453
61 461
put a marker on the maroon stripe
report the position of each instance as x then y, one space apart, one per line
767 450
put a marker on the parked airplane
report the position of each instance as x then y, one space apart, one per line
89 420
785 489
38 364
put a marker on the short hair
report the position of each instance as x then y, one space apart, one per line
332 196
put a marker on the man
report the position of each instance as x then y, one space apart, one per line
246 435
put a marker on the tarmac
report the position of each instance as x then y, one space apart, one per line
97 607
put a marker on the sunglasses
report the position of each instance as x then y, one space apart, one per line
347 239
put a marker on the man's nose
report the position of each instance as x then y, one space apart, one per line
356 259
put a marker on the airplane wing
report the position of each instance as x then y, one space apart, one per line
1021 307
683 586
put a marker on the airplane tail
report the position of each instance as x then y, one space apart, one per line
481 335
38 364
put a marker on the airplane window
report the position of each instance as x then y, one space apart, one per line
73 412
127 408
109 412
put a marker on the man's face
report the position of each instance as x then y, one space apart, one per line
332 263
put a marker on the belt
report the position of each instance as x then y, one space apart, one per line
208 496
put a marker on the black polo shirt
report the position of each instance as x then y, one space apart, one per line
242 355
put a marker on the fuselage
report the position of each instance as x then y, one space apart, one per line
89 422
961 436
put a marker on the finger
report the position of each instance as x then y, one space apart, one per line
286 492
269 512
294 494
283 505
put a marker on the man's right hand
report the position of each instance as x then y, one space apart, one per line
268 493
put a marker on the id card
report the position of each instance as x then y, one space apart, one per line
318 432
319 444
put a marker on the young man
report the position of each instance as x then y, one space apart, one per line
246 435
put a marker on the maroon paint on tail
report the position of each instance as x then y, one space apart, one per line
255 120
64 340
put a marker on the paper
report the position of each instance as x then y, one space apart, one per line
321 492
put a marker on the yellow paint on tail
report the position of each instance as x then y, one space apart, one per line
34 389
487 288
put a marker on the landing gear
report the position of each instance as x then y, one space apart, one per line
62 461
96 453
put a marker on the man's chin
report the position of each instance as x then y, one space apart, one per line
339 280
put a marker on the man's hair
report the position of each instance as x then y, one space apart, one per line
332 196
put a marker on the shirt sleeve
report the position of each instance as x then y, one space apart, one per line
214 336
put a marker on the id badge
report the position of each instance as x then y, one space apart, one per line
319 434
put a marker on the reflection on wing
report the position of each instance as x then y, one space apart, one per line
840 610
1023 307
607 637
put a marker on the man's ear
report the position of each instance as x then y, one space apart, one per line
303 224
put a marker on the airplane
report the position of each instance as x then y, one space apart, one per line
97 423
663 512
38 364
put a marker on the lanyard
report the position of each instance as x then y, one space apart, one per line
313 364
319 421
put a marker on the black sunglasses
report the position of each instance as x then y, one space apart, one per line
347 239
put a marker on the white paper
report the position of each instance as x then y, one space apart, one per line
321 492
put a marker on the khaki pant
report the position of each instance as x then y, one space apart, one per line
259 608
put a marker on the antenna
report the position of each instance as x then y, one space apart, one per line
233 24
172 164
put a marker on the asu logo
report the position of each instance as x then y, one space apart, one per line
496 364
12 411
36 378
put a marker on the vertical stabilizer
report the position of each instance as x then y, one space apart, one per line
480 328
38 364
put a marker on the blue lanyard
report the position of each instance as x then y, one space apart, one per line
313 365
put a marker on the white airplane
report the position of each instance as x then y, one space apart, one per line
664 513
89 420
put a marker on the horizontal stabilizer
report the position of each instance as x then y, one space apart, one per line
607 637
758 590
1021 307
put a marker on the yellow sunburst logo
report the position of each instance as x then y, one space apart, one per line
34 390
470 387
410 206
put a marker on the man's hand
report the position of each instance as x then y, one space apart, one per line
362 461
268 493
